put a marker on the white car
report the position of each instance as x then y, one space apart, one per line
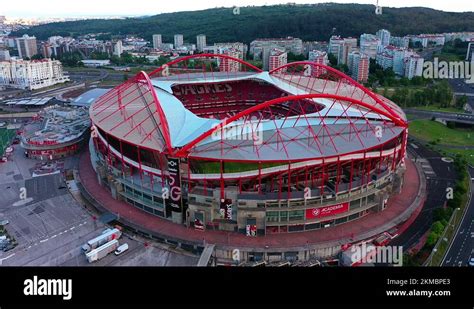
4 222
471 262
121 249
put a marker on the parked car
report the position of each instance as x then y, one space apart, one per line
471 262
4 222
9 247
121 249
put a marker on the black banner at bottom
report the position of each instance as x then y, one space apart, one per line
232 285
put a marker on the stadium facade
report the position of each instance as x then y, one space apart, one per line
299 148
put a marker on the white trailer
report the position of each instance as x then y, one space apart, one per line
102 251
103 238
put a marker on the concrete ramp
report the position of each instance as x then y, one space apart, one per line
206 255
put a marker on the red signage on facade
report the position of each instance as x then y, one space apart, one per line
314 213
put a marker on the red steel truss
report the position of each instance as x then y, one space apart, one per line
351 114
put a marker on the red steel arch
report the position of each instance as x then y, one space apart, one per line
183 151
342 76
183 59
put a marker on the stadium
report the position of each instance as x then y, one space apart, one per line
214 143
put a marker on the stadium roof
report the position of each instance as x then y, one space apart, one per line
145 112
87 98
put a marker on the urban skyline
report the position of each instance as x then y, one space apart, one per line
124 8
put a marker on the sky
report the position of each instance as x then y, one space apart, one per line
63 8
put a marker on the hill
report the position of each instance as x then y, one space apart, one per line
308 22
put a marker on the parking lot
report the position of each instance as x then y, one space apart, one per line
50 225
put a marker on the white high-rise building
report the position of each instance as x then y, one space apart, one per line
413 66
334 42
369 45
402 42
26 46
118 48
399 56
200 42
31 75
4 55
178 40
384 36
341 47
157 41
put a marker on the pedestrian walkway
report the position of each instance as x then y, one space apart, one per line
363 228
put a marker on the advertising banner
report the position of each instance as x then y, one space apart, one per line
174 201
320 212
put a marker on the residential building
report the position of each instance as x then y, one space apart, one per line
4 55
384 37
314 45
334 42
385 60
341 47
31 75
178 40
241 47
413 66
229 65
290 44
399 56
348 45
402 42
359 66
157 41
320 57
369 45
26 46
278 57
118 48
201 42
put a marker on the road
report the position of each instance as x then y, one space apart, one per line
455 117
462 247
439 176
427 53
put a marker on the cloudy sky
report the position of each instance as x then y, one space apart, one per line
61 8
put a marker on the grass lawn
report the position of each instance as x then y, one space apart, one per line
233 167
429 130
6 136
468 154
434 108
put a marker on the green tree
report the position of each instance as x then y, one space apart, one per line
461 101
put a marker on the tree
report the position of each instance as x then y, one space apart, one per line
293 58
71 59
332 60
461 101
37 57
